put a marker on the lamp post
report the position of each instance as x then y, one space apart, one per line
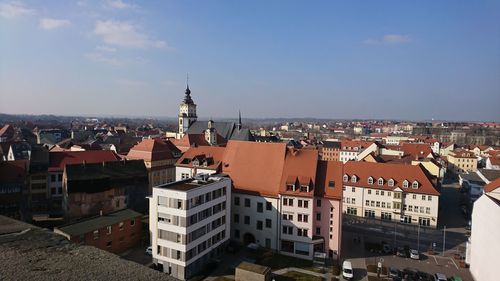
418 238
444 239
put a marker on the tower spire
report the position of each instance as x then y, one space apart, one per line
187 80
239 120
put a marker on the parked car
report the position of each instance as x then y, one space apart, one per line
409 274
386 249
401 252
414 254
394 272
347 271
149 251
424 276
439 277
455 278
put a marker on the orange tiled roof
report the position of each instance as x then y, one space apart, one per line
255 167
58 160
397 172
328 171
150 150
299 169
417 150
492 185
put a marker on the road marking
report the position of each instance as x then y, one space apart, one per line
454 263
435 260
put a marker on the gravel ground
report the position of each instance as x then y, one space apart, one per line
39 254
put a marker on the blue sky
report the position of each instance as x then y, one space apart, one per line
330 59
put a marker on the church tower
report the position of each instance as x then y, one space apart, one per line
187 112
211 133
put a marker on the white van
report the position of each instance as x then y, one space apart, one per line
347 272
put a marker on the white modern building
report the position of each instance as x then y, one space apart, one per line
189 221
483 246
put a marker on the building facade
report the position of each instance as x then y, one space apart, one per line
115 232
189 223
187 113
391 192
460 160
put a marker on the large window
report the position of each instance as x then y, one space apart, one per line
247 202
369 213
260 207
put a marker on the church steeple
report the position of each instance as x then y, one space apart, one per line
187 111
239 120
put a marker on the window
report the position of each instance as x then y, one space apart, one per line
108 228
121 225
236 218
237 201
306 218
247 202
247 220
369 213
306 204
288 230
369 191
388 193
318 231
269 206
331 184
96 234
376 192
300 203
132 222
397 195
370 180
299 217
269 223
390 182
405 184
343 188
353 189
290 202
301 232
318 216
427 210
382 192
380 181
353 200
383 204
318 203
260 207
367 203
414 185
350 211
414 196
378 204
345 178
429 198
354 178
259 225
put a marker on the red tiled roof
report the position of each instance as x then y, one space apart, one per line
255 167
150 150
13 171
462 153
300 169
7 131
358 144
328 171
58 160
492 185
417 150
214 152
397 172
191 140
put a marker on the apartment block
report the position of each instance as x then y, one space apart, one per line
392 192
189 222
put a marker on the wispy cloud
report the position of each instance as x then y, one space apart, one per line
105 49
49 24
125 34
102 58
389 39
119 4
130 82
14 9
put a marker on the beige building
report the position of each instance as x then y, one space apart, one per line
159 157
461 160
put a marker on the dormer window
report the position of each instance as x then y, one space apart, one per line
354 178
331 184
414 185
390 182
380 181
370 180
346 178
290 187
405 184
304 188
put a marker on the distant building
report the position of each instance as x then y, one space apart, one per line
159 157
7 133
89 189
114 232
189 222
461 160
330 151
13 184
